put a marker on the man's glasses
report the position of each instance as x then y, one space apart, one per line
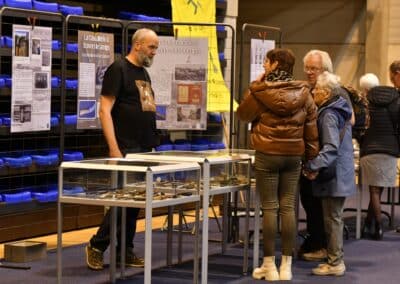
312 69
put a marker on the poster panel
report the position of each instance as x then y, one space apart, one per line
258 50
179 81
95 54
31 78
218 94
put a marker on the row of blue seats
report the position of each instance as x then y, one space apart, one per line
41 194
70 84
39 158
43 6
140 17
69 119
196 145
78 10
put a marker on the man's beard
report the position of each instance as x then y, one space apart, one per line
146 61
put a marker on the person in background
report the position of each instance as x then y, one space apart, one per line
367 82
127 129
394 71
332 171
283 117
379 149
395 74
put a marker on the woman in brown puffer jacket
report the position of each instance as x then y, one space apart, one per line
283 117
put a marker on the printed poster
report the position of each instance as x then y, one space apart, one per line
179 81
258 50
31 78
95 54
218 94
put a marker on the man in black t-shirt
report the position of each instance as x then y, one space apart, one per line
129 126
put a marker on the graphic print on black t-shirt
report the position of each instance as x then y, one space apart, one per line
146 96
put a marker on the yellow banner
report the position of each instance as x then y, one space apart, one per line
203 11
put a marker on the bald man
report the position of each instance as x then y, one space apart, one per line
128 127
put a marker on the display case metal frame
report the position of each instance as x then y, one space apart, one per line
109 164
206 160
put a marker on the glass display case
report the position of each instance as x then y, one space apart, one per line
222 173
118 182
254 197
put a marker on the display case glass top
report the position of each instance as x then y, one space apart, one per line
192 156
129 164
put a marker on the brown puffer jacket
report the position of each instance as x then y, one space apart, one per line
284 118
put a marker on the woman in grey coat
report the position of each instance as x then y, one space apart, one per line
333 168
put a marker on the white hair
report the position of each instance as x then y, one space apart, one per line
325 59
368 81
328 81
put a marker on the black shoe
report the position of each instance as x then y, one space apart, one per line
305 247
366 230
398 229
378 234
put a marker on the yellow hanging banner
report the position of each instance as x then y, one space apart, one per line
203 11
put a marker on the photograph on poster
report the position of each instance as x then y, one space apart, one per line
46 58
21 43
188 113
189 94
87 109
40 80
22 113
36 46
190 72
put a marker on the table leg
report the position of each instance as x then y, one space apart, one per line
256 236
59 242
180 235
113 239
246 234
123 241
196 244
204 247
169 235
